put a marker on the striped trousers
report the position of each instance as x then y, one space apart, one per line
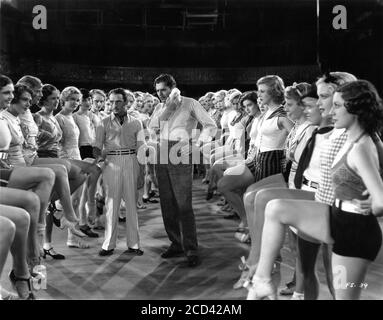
120 182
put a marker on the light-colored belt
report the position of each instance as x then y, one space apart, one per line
3 155
348 206
310 183
121 152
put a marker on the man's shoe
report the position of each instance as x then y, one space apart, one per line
137 252
122 219
172 253
191 262
104 253
88 231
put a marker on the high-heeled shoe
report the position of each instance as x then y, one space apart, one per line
6 295
72 226
52 253
260 289
19 285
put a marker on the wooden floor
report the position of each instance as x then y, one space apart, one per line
85 275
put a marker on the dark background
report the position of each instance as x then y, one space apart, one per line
207 45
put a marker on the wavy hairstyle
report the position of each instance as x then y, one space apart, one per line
4 81
19 90
47 90
67 92
276 87
336 78
297 91
362 99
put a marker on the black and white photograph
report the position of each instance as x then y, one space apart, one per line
204 151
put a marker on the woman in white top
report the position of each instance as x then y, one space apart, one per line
87 123
352 230
273 128
318 112
69 149
233 152
20 105
297 101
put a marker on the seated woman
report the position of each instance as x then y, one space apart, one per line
272 129
355 233
215 112
69 149
21 146
87 122
40 180
234 145
241 128
312 172
301 108
14 225
7 234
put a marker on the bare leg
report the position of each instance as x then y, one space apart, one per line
30 202
307 254
88 195
261 200
40 180
20 218
274 181
309 217
7 234
231 185
349 274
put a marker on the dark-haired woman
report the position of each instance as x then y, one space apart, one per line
355 233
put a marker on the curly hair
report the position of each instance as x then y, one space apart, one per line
67 92
362 99
297 91
19 90
47 90
336 78
31 82
276 87
100 92
249 95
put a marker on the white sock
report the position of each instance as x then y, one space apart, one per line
47 245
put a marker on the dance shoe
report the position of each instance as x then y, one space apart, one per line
52 253
260 289
6 295
72 226
88 231
288 290
22 286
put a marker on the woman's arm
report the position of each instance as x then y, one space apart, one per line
285 123
363 159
